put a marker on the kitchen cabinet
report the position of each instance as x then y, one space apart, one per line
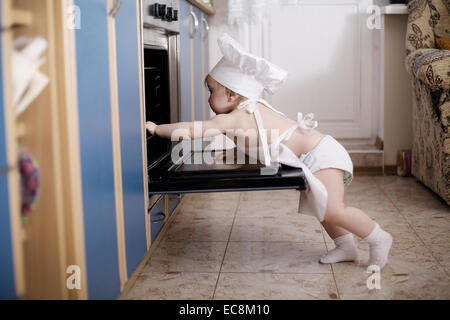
157 218
193 62
85 131
42 247
174 200
96 151
193 67
131 133
7 289
111 139
185 62
7 283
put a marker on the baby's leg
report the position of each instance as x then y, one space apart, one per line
345 249
353 219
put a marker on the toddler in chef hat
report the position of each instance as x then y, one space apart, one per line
236 85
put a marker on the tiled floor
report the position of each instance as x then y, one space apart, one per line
253 245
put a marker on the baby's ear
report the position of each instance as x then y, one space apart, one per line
232 96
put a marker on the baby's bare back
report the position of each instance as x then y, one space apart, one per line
301 141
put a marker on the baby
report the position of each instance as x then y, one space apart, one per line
236 84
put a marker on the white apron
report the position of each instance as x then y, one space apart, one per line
313 200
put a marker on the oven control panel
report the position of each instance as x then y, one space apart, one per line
161 13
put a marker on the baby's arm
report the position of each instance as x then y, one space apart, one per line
193 130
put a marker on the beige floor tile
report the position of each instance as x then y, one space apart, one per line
402 184
363 192
269 286
431 228
232 196
208 209
187 257
373 180
173 286
420 285
276 229
199 229
274 257
416 199
373 206
416 215
398 227
441 252
268 207
269 194
273 251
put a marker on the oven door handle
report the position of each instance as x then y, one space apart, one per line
205 22
194 16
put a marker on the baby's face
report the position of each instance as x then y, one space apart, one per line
218 99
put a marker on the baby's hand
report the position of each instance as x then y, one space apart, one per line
151 127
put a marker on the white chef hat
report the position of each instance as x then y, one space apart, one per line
245 73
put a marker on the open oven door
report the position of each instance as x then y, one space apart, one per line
190 176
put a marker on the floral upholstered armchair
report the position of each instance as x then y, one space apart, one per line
428 34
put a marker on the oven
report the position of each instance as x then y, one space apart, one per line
174 170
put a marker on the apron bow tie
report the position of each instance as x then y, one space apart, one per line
306 122
251 105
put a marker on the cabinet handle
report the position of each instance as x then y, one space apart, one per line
194 16
205 22
115 8
160 219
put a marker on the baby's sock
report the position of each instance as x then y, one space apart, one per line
345 250
380 243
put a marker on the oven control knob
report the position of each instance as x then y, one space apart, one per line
162 11
169 13
154 10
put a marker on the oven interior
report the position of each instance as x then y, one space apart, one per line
157 101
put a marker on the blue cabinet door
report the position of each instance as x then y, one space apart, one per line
198 65
206 67
185 61
130 134
7 290
96 151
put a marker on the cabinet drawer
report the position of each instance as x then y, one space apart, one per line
174 200
157 218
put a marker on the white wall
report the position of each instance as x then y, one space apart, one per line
398 90
333 62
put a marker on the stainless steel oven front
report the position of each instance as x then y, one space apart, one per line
160 36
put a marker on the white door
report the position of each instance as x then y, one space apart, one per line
327 49
329 52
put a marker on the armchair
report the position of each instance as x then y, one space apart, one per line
429 66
